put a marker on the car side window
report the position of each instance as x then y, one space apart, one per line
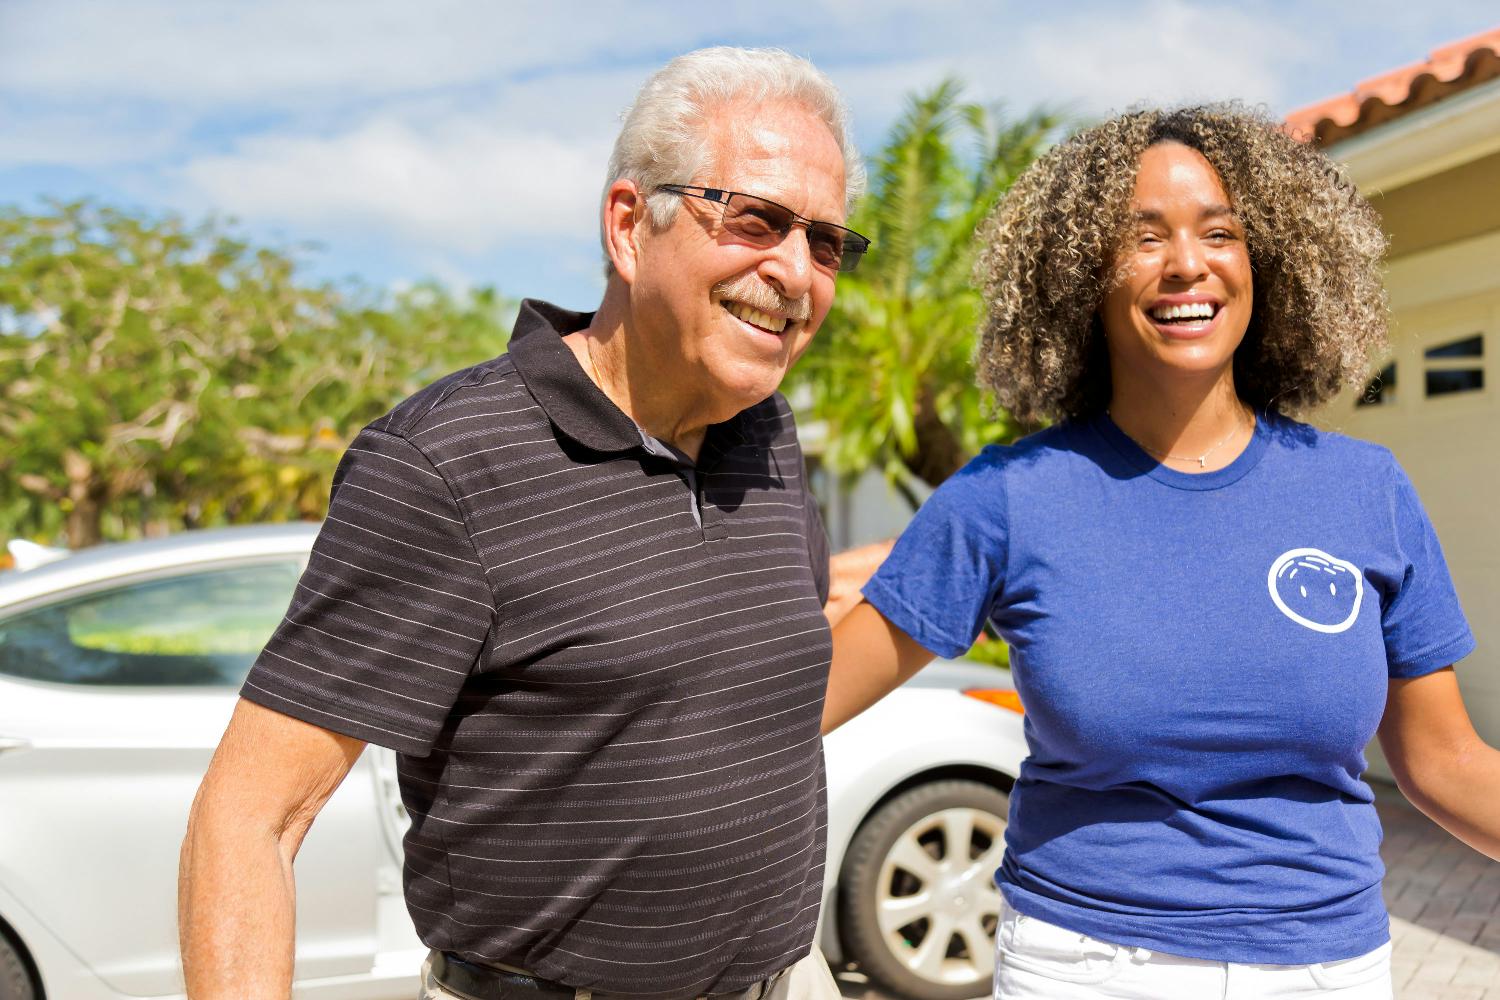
193 629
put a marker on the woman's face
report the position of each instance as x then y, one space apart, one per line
1183 302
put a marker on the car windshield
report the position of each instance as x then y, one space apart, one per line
202 628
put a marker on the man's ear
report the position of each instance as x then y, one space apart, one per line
625 223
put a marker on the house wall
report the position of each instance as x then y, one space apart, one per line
1448 444
1454 205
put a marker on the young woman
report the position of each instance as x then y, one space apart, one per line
1211 607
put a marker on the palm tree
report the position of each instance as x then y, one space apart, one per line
890 374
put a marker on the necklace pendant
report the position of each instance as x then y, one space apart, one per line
1202 461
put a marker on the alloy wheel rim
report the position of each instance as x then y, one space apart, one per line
937 905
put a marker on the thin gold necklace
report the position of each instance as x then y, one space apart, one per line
1202 459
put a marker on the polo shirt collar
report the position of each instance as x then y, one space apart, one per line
571 400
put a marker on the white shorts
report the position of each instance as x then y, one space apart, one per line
1036 960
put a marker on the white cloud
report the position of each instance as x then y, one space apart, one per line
296 53
271 52
1088 59
1160 52
82 138
459 185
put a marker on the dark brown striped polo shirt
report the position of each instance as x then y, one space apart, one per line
604 677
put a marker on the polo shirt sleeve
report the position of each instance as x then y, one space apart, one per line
1422 621
818 549
941 579
391 613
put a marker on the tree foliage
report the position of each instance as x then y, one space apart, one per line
155 375
890 373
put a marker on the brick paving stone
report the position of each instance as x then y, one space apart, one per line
1436 969
1452 945
1476 972
1465 928
1446 993
1438 911
1407 907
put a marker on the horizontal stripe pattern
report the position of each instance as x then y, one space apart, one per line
607 712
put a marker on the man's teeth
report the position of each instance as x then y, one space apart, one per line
749 315
1191 310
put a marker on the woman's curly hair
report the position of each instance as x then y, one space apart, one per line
1048 253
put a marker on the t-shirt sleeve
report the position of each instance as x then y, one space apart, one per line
940 581
391 612
1423 623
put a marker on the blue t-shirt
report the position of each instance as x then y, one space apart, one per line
1203 658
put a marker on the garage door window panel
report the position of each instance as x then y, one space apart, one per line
1456 366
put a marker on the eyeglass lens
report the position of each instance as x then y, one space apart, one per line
764 223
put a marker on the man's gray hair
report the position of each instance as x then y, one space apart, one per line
664 140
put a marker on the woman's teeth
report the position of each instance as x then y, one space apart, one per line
763 320
1188 312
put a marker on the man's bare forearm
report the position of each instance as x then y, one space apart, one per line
237 907
236 899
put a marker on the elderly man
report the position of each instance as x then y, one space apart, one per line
579 588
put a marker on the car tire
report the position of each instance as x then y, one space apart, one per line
15 978
917 899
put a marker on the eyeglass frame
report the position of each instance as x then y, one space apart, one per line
721 197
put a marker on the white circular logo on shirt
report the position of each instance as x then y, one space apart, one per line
1316 590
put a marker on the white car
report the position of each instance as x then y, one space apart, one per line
119 667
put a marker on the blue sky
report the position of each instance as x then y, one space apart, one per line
466 139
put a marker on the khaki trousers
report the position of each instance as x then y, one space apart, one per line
809 979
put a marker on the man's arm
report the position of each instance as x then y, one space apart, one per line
236 901
871 658
1440 763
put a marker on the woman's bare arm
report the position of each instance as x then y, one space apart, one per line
871 658
1440 762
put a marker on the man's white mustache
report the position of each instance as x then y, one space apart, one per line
756 294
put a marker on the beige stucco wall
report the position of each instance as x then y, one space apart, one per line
1449 445
1454 205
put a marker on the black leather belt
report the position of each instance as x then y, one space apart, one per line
482 982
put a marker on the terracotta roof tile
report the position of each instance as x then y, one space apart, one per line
1448 70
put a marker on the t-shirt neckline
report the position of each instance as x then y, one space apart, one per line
1139 458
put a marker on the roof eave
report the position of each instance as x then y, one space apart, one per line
1447 134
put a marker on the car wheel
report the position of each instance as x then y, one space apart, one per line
15 980
917 899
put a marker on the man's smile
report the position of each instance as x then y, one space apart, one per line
764 321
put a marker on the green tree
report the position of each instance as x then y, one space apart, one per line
158 375
890 373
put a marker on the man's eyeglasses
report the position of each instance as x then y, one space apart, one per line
761 223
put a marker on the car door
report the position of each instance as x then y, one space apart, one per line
117 697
